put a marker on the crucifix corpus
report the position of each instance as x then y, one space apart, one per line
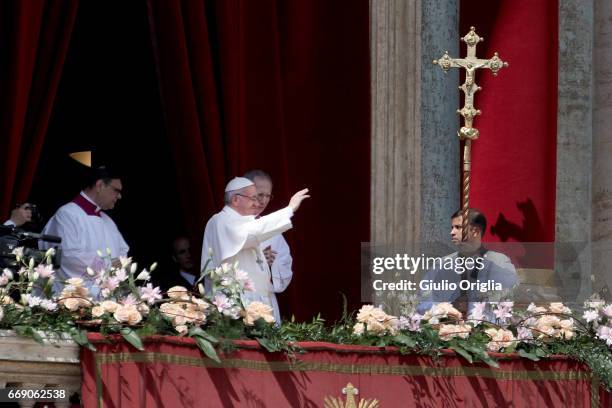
467 133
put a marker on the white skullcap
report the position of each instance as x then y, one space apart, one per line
237 183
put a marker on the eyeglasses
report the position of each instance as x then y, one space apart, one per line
252 198
115 189
262 197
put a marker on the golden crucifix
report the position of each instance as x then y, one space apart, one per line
467 132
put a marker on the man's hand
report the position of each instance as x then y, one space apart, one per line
269 254
297 199
21 215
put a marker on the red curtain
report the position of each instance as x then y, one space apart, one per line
34 37
282 86
171 372
514 160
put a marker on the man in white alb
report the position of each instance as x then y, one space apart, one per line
276 250
235 234
86 229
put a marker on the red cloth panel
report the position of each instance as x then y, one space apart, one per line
514 160
171 372
34 37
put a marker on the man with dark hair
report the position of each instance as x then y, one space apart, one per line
182 271
20 215
85 228
276 250
473 264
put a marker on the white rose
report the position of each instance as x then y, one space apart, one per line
97 311
178 292
258 310
71 304
109 306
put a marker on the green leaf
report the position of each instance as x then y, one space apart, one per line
80 338
207 348
268 345
405 340
36 336
488 359
462 352
21 330
540 352
526 354
131 337
197 331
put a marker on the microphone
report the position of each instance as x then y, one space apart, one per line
42 237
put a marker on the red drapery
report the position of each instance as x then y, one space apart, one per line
282 86
172 372
34 37
514 160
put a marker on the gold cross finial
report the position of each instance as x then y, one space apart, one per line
470 63
468 132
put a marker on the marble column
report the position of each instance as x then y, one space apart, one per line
602 147
415 155
574 149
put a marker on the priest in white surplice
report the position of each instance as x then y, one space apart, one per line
85 229
235 234
276 250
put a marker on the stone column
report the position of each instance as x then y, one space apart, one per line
439 120
574 147
414 155
602 147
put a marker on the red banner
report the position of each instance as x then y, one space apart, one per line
172 372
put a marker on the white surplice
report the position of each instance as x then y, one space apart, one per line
280 269
233 237
82 236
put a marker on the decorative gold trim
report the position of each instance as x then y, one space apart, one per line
373 369
368 369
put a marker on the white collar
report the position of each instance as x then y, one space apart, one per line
233 213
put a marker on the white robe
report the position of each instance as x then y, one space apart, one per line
281 268
233 237
82 236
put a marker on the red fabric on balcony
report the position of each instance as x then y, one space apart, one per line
172 372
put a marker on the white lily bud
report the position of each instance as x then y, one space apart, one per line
8 273
108 251
133 268
210 252
153 267
144 275
99 253
35 276
201 289
90 271
31 264
50 252
24 299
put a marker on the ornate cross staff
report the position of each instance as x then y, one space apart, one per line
467 132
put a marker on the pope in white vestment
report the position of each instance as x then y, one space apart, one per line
235 234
